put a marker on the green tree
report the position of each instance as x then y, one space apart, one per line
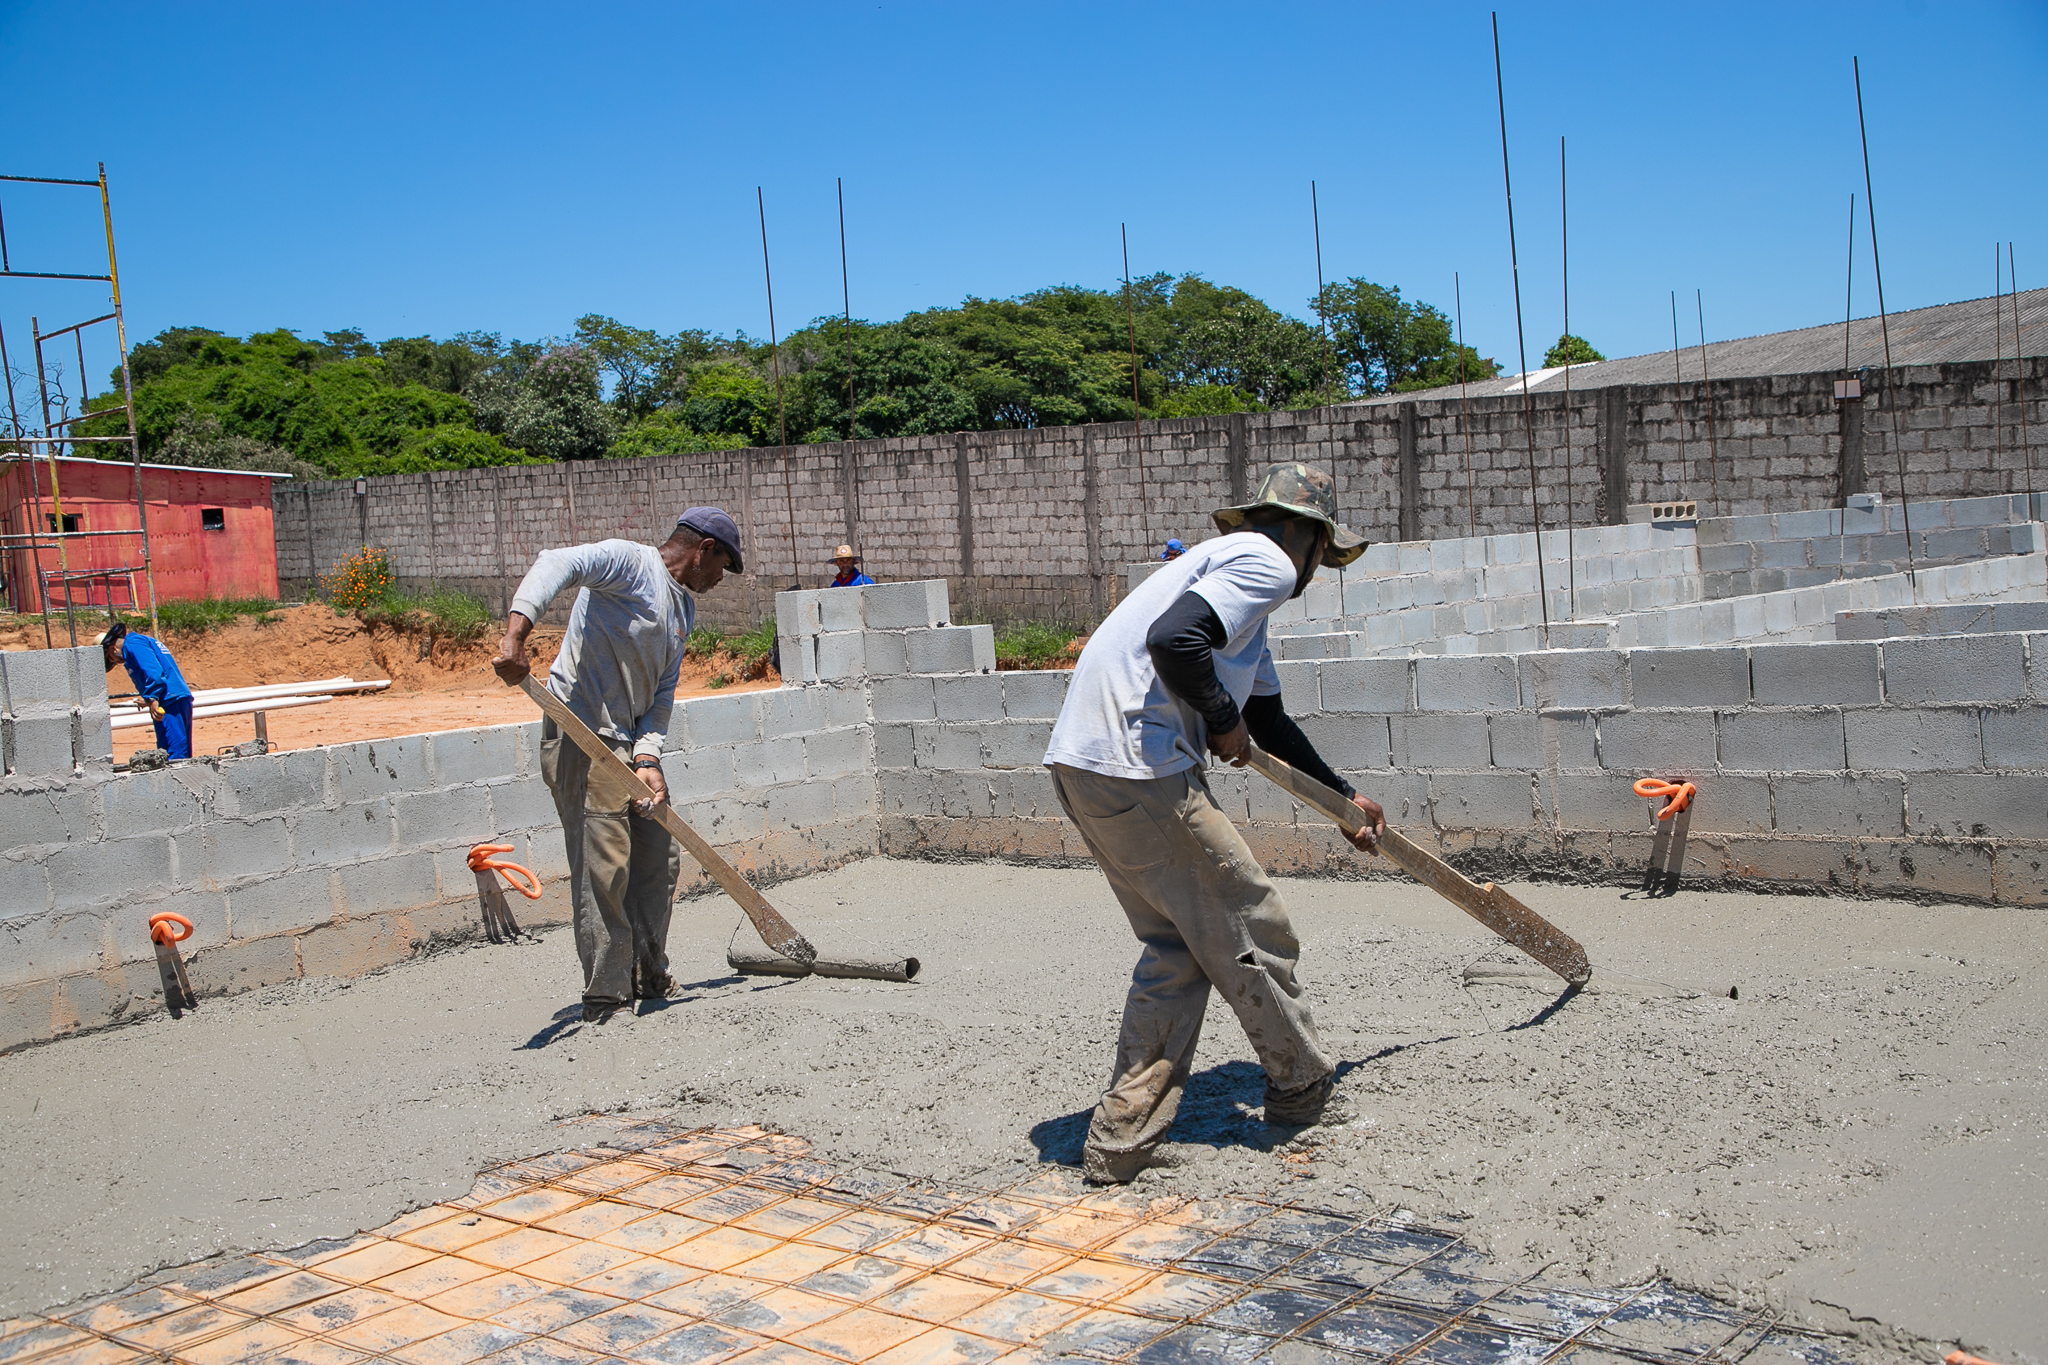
1386 342
546 402
1570 350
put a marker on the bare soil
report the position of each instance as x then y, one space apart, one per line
436 684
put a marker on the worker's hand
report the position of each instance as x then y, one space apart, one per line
510 662
156 709
1232 746
656 783
1368 839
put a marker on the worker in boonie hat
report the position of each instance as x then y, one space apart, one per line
157 681
616 670
848 564
1174 550
1180 671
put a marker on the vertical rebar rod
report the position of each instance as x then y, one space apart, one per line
1137 418
1564 224
846 308
128 398
1891 406
1678 395
1521 347
1329 354
1707 407
781 421
1998 356
1849 294
1464 425
2020 371
35 333
5 263
35 485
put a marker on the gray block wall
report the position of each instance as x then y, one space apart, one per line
53 712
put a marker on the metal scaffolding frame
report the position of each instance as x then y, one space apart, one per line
56 434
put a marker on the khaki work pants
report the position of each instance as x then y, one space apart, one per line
1207 914
622 875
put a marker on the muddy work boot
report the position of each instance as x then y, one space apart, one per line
1102 1167
1301 1107
652 985
600 1011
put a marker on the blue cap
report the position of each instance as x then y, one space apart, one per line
713 522
1173 547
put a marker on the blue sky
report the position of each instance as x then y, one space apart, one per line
431 168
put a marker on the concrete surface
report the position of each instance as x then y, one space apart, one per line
1859 1137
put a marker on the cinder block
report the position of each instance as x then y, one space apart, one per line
767 763
1493 800
44 680
1978 805
904 606
1674 744
791 710
454 757
839 609
844 704
128 926
271 783
379 767
800 805
113 869
343 834
1439 741
1036 695
1954 668
1015 744
524 803
1522 739
95 738
1349 742
903 699
976 696
1949 871
894 746
2016 739
797 659
948 746
446 816
24 888
796 613
1576 679
1690 677
1610 803
727 821
1912 741
907 792
1367 685
53 946
48 812
950 649
835 753
232 968
1732 805
1478 682
883 652
854 795
229 850
720 720
1826 674
1300 687
842 654
694 774
1843 805
40 746
288 903
1782 741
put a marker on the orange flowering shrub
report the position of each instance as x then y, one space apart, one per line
361 580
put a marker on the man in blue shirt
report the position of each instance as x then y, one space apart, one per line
848 564
156 676
1174 550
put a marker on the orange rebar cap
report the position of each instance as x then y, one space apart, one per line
1656 788
480 860
160 927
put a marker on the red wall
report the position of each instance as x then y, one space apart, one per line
190 562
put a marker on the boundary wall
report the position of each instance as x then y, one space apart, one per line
1890 766
1037 523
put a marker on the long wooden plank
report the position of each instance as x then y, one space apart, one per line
616 774
1488 904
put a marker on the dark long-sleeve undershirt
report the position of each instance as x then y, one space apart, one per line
1182 643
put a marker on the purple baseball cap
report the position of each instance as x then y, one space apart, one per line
713 522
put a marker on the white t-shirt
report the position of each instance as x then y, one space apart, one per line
1119 719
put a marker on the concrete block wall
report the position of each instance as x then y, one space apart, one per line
843 635
332 861
53 712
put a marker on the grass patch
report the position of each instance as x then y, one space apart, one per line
441 612
748 647
1034 644
208 614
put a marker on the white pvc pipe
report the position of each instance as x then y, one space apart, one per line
130 720
219 696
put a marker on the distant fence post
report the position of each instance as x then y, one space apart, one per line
1411 477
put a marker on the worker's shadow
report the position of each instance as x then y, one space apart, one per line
1224 1106
567 1021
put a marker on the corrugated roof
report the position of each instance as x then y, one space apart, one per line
14 457
1947 332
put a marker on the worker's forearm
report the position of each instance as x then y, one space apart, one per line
1182 645
1275 731
517 628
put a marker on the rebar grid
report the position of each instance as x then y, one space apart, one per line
677 1246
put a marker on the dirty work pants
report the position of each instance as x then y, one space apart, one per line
622 875
1207 914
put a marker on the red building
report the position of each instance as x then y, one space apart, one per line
210 532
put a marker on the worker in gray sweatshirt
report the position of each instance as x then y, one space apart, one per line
616 670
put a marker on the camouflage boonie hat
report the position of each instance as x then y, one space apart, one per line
1306 492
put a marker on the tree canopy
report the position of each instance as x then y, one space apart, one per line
344 405
1570 350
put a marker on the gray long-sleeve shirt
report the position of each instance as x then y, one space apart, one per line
618 661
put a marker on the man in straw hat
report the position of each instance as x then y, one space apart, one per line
1181 670
616 670
848 564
